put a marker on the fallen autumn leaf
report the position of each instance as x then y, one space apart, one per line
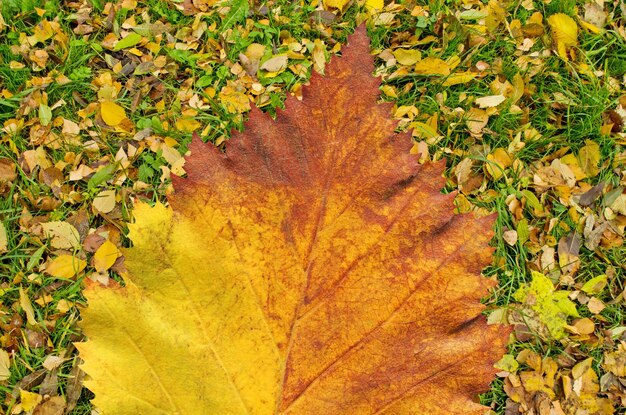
313 268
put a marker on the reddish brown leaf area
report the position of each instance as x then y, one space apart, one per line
412 339
312 268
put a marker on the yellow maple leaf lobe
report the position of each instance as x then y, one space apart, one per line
312 268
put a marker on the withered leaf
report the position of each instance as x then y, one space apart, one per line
313 268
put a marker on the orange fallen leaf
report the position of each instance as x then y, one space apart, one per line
298 273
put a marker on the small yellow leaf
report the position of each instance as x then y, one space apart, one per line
571 161
552 307
234 98
490 101
595 285
27 307
425 131
255 51
104 201
564 32
65 266
589 157
105 256
432 66
335 4
111 113
374 4
459 78
5 365
63 234
499 160
407 56
595 305
29 400
3 239
583 326
187 125
276 63
507 363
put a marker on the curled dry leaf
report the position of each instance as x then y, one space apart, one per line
313 268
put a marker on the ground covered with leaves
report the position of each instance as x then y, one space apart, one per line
526 102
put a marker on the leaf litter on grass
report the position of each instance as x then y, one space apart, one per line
549 157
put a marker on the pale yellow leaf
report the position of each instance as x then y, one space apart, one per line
104 201
29 400
5 365
432 66
255 51
595 285
499 160
459 78
589 157
595 305
63 235
111 113
564 32
275 64
52 362
27 307
407 56
105 256
490 101
3 239
65 266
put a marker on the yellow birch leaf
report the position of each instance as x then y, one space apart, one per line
432 66
234 99
4 242
490 101
564 32
5 365
571 161
407 57
104 202
589 157
63 234
29 400
187 125
595 285
335 4
105 256
27 307
65 266
374 4
499 160
111 113
459 78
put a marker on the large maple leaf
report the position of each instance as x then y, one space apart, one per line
312 268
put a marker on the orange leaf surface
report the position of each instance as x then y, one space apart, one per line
312 268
